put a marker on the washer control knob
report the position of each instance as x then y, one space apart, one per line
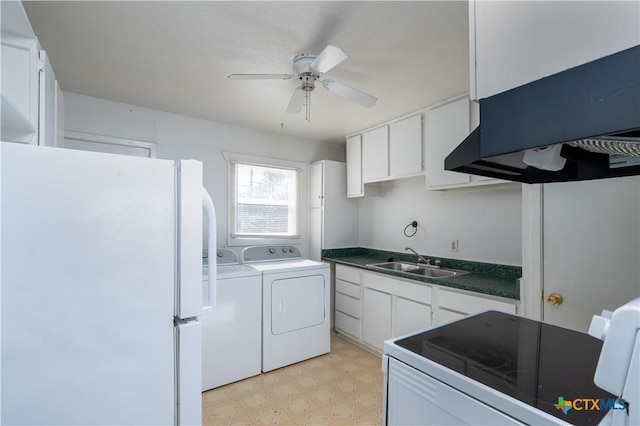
284 249
272 250
290 249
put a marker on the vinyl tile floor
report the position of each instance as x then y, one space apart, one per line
343 387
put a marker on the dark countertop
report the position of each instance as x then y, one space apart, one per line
485 278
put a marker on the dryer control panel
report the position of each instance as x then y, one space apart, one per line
269 253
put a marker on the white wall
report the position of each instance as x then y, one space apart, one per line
179 137
486 221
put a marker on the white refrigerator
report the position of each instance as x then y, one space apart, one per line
101 288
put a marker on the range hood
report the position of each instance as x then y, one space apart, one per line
580 124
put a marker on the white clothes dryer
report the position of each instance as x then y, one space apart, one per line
232 332
295 305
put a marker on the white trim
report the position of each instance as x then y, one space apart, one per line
532 283
263 161
110 140
240 241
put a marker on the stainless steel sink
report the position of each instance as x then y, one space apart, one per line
396 266
419 269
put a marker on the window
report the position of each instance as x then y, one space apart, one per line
263 201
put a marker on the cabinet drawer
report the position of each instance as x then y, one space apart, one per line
348 325
348 288
468 304
417 292
346 273
348 305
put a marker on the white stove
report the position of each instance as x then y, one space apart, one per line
496 368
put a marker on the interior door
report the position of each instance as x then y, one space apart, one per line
591 248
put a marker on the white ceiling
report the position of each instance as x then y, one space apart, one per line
175 56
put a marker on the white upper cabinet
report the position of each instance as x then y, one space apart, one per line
392 151
375 154
446 127
405 147
516 42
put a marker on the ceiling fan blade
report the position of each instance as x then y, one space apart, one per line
295 104
355 95
328 58
260 76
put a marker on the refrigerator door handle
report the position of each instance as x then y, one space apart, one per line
207 205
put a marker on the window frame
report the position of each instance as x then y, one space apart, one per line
242 240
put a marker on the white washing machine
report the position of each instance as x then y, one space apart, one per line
232 333
295 305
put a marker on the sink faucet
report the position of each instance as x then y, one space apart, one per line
427 261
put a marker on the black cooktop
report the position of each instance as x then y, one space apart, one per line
540 364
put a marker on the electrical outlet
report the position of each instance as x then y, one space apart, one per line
454 246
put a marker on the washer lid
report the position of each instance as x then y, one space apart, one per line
235 271
288 266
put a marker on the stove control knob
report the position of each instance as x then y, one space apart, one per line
555 299
272 250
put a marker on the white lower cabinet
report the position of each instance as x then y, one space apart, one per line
453 305
372 307
348 301
410 316
376 310
392 307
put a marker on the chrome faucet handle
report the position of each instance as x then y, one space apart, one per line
427 261
437 263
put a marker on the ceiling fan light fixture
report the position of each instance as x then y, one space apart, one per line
308 67
307 104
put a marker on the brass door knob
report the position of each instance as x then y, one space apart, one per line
555 299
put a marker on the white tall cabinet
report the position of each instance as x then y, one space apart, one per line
333 218
32 103
355 186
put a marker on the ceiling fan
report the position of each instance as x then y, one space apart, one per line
308 67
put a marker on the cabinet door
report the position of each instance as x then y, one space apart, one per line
454 305
355 187
516 42
405 147
376 317
19 90
410 316
316 189
47 132
375 154
316 234
59 116
446 127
